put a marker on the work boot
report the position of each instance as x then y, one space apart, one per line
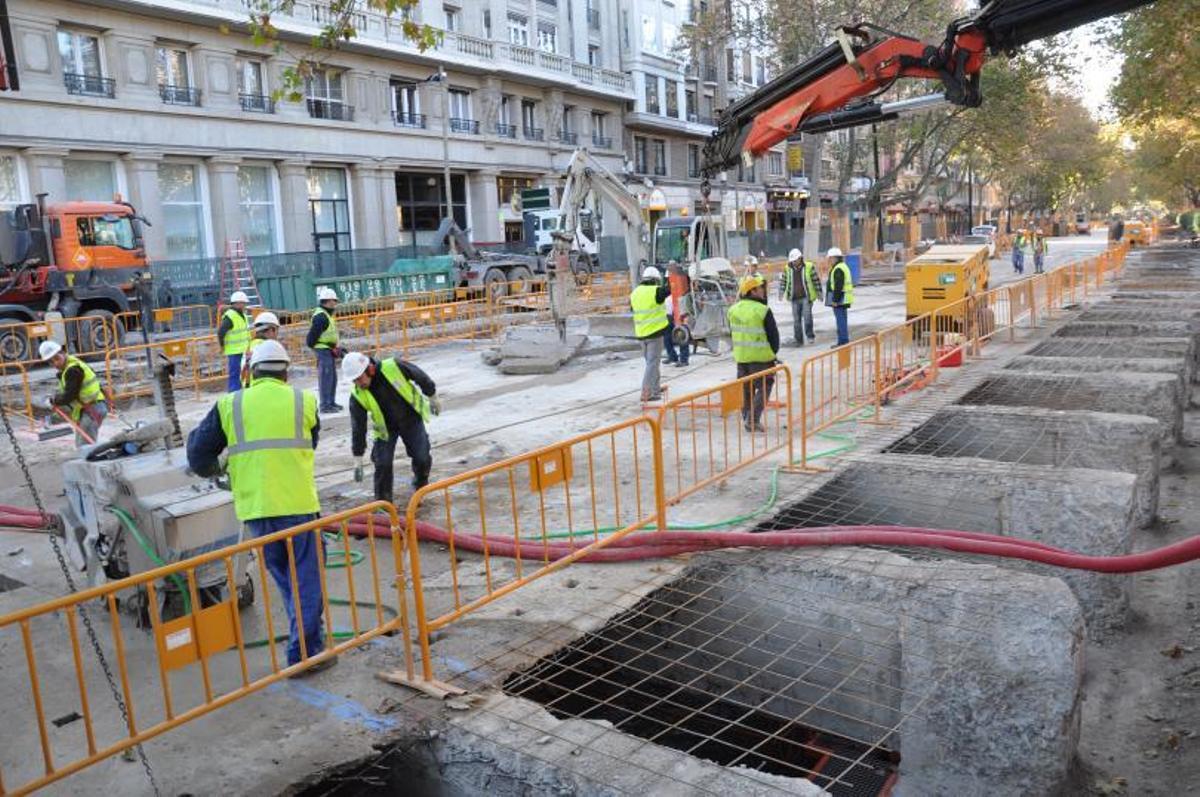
417 484
316 668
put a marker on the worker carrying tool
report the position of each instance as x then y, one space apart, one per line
266 327
399 398
79 392
270 432
755 346
323 339
840 294
233 335
801 285
649 321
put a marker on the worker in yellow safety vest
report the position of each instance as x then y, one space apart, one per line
266 327
755 346
233 335
79 392
398 398
323 340
649 320
270 431
840 294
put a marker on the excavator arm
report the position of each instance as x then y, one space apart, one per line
835 88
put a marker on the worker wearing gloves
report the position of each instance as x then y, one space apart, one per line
323 339
840 294
649 321
266 327
755 346
270 432
399 398
79 392
233 335
802 287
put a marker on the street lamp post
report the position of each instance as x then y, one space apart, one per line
440 77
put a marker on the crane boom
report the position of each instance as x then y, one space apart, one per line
834 89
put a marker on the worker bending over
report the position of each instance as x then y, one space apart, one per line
840 294
802 287
266 327
79 392
755 346
323 340
233 335
649 321
270 430
399 398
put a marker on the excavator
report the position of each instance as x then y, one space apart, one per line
838 87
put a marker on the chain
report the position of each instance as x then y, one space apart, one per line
66 571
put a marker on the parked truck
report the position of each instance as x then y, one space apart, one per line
74 266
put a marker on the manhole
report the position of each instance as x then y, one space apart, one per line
698 667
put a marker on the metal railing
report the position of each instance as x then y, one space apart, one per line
178 95
470 126
414 120
506 131
258 103
602 142
534 134
567 137
330 109
90 85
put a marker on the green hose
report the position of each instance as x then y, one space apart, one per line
127 521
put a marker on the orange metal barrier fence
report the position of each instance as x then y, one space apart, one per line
86 336
187 665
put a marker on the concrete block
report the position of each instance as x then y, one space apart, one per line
537 350
1155 395
1124 329
1178 366
1154 313
1059 438
611 325
1121 349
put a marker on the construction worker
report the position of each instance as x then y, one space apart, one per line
270 432
1018 252
676 355
399 398
802 287
841 294
266 327
323 339
1039 251
649 320
233 335
79 392
755 346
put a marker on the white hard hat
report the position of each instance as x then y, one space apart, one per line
325 294
834 252
750 260
794 255
49 348
270 356
266 319
651 273
239 296
354 365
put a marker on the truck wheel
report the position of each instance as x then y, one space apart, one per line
519 279
98 332
495 284
14 343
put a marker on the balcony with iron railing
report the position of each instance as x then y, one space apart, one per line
468 126
178 95
505 130
602 142
710 73
660 170
535 134
319 108
257 103
414 120
90 85
567 137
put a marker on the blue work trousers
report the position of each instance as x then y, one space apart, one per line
233 377
841 314
308 577
1018 260
326 379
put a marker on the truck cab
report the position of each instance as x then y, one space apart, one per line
103 235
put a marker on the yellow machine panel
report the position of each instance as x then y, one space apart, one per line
945 274
1137 233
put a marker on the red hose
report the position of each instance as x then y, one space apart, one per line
22 520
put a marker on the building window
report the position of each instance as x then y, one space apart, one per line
689 99
487 23
182 209
747 67
328 202
89 180
731 66
649 28
82 69
421 206
452 18
509 190
518 30
504 118
672 91
10 183
529 121
641 151
745 175
652 105
460 112
256 195
323 93
252 87
406 110
599 123
693 160
174 76
593 55
547 37
660 157
775 164
760 71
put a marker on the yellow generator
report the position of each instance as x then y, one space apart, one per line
945 274
1137 233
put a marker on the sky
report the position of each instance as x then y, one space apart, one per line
1096 69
